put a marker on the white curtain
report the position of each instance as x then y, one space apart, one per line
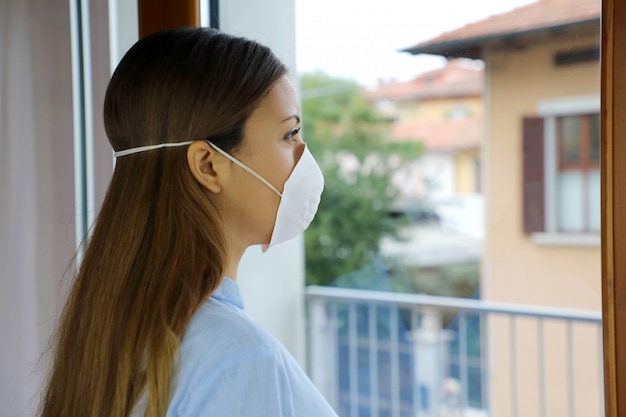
594 200
36 190
571 204
578 201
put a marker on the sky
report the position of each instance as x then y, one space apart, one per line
360 39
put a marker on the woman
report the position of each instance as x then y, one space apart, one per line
210 160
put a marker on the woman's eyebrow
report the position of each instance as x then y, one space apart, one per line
293 116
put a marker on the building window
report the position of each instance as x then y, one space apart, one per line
457 112
561 164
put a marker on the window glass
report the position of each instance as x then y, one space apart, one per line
570 139
488 184
594 133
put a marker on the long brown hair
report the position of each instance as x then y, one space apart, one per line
157 250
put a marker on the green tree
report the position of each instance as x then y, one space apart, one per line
351 143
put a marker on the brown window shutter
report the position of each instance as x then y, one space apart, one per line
533 177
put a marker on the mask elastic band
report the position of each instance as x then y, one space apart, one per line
242 165
174 144
149 148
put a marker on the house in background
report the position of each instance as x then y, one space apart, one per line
542 193
443 110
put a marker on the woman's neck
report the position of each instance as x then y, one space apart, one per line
235 253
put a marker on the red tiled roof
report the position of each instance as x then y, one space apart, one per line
541 15
443 135
454 80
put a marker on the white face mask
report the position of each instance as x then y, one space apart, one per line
298 201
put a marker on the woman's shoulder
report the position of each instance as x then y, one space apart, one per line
219 329
225 355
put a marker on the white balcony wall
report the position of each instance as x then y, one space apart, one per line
273 282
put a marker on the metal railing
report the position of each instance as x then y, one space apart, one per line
393 354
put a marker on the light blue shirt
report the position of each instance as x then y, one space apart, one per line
230 367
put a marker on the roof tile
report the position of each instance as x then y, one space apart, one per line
453 80
543 14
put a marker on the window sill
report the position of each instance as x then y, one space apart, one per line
567 239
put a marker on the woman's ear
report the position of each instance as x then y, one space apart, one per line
205 165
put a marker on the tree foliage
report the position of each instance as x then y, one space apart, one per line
351 143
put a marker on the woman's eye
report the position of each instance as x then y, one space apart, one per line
292 134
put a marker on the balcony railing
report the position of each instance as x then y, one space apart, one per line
380 354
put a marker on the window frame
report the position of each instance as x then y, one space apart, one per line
613 179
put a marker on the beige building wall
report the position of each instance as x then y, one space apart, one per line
515 268
465 171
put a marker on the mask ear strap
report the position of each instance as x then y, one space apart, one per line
242 165
149 148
